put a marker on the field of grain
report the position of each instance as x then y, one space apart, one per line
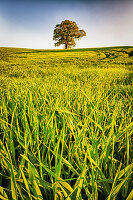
66 124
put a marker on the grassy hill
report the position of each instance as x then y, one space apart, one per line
66 123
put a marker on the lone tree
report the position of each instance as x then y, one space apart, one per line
66 33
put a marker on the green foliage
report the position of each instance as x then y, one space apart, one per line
66 124
66 33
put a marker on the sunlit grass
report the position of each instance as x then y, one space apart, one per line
66 124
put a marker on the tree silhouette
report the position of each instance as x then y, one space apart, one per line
66 33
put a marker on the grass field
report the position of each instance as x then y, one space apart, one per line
66 124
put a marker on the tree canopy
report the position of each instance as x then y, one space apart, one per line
66 33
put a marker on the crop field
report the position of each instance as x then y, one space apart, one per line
66 124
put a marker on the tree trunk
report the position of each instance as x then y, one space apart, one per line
66 46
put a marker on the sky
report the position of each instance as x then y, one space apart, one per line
30 23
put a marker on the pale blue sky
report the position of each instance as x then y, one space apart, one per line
30 23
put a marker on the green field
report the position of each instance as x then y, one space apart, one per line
66 124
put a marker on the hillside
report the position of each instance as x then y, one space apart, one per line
66 123
26 63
